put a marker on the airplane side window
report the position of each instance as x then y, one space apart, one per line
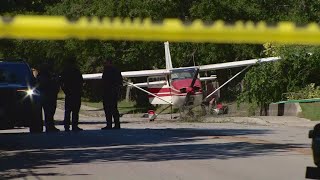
154 79
174 76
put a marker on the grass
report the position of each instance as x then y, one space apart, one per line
61 95
130 107
97 105
310 111
165 109
124 107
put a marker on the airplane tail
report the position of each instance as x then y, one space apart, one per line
168 56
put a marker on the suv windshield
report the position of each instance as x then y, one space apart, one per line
15 74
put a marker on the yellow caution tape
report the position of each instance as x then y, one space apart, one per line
57 28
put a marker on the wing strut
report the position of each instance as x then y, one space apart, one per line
226 83
131 84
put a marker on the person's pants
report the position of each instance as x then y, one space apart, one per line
72 106
110 106
49 107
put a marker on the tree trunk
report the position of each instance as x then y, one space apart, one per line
264 109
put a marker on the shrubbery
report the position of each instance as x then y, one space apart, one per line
309 92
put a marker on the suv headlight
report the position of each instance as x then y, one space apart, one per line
29 92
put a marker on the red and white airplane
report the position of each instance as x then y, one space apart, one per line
180 87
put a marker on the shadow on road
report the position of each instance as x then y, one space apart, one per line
36 151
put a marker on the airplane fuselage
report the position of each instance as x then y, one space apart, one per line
177 88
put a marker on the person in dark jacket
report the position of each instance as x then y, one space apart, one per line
112 81
49 88
71 84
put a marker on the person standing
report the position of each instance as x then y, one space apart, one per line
71 84
112 81
49 88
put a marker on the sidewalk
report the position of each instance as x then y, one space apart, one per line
266 120
289 121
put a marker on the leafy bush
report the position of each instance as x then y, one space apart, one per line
309 92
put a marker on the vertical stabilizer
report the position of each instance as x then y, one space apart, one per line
168 56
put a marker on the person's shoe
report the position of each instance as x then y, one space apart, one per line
106 128
66 129
76 129
116 127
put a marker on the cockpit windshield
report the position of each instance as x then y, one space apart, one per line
178 74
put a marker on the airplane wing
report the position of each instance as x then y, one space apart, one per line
208 78
128 74
145 84
159 72
237 63
92 76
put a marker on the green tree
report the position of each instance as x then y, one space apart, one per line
148 55
267 83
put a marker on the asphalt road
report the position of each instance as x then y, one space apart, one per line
157 150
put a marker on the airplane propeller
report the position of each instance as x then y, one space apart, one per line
191 88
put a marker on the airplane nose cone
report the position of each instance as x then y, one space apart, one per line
189 90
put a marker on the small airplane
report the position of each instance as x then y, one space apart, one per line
180 87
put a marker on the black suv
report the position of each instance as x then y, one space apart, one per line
19 99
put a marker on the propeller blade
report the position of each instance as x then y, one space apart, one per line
195 77
187 98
